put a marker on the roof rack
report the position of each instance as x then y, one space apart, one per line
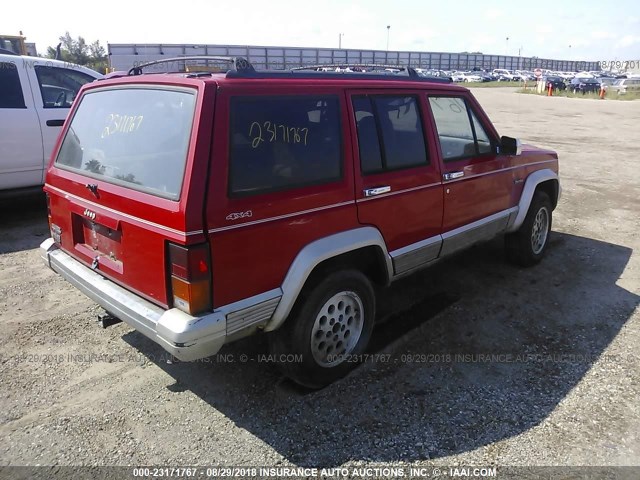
241 68
345 71
238 64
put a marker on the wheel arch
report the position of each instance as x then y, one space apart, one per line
361 248
545 180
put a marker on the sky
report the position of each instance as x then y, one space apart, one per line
567 30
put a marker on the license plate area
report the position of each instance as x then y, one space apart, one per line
102 244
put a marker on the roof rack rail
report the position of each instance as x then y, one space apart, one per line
373 66
238 64
372 72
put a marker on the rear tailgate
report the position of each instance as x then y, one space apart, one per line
128 177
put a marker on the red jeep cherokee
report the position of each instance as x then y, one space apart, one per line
203 207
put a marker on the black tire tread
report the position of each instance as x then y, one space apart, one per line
292 336
518 244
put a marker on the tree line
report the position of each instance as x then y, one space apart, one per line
77 50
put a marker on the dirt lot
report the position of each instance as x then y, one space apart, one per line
551 374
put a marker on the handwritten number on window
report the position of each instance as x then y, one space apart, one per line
121 124
276 133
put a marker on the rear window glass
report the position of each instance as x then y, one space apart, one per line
279 143
135 137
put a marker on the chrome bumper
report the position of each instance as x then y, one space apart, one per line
185 337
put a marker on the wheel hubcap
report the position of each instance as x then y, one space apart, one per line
540 230
337 329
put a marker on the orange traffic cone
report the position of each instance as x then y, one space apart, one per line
550 91
602 92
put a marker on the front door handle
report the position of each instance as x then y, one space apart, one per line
372 192
452 175
55 123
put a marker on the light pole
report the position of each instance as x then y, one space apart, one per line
520 58
506 52
340 40
388 28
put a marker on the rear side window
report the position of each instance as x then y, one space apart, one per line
283 142
390 134
460 132
134 137
59 86
10 88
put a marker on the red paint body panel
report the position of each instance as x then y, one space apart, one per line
484 189
531 159
253 259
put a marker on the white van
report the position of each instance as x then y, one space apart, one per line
35 96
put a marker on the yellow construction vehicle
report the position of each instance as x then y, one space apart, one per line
14 44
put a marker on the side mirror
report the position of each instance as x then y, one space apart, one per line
510 146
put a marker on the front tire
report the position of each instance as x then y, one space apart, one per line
328 328
528 244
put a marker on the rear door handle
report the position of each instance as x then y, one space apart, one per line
372 192
55 123
452 175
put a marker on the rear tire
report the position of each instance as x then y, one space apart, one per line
528 244
328 328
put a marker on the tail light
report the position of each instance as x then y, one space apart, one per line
55 230
190 269
46 195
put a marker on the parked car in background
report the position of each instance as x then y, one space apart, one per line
584 85
624 85
471 77
433 73
525 75
557 83
484 75
583 74
35 96
515 76
506 75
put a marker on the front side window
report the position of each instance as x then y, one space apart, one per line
134 137
10 89
460 133
282 142
59 86
390 134
483 141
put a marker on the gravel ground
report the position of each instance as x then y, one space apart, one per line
480 363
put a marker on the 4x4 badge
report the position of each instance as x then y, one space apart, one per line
237 215
90 214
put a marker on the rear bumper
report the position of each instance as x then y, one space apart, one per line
184 336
